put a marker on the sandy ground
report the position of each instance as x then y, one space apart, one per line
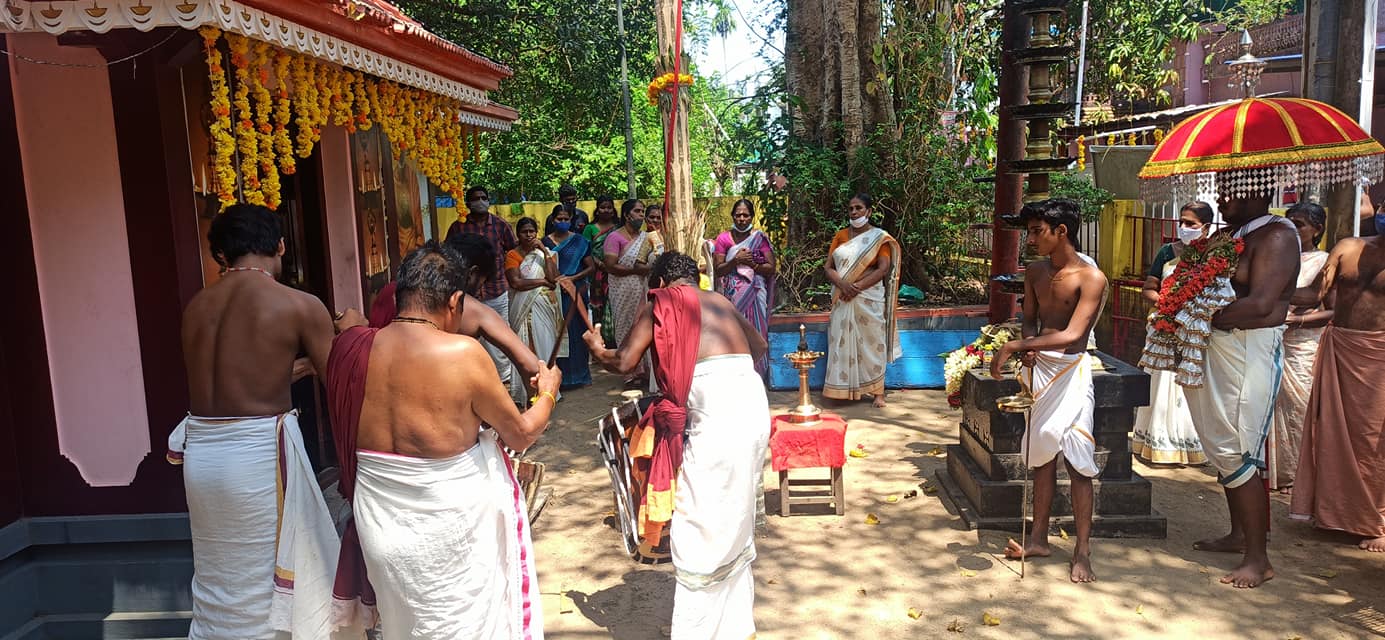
833 576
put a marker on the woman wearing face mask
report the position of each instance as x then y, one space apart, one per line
863 267
1164 431
604 222
532 272
1304 327
576 265
743 265
628 284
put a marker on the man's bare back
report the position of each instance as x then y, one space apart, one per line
240 338
1355 281
408 409
1057 293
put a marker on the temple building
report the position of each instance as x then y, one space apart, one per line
125 125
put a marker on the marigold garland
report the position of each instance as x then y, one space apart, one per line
1181 324
219 132
959 362
246 143
253 118
264 127
283 114
663 82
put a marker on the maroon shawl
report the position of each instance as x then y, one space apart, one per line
346 372
677 325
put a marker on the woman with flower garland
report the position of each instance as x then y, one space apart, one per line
1164 432
863 267
1303 327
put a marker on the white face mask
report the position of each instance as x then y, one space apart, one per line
740 228
1188 235
479 205
860 222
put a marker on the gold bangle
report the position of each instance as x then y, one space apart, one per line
338 316
541 394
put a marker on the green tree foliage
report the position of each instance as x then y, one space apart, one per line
565 55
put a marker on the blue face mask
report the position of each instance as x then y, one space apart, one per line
741 228
562 226
1380 223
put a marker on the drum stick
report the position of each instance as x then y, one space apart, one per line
567 319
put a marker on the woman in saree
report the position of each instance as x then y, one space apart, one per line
627 287
1164 432
604 222
1304 326
863 267
575 264
532 272
744 268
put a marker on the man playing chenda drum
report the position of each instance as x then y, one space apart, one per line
705 489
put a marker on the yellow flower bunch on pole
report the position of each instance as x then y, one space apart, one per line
1081 153
246 143
264 127
665 81
283 114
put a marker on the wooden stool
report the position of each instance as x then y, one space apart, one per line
796 446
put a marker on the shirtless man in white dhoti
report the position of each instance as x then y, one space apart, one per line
1234 408
255 572
1063 295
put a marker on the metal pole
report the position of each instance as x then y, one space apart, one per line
1081 67
625 100
1367 92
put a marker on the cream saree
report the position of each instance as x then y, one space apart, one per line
862 339
627 293
535 317
1300 350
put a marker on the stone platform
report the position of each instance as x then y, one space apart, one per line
985 471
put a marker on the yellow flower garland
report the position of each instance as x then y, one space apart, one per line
264 127
659 84
246 142
219 132
283 114
1081 153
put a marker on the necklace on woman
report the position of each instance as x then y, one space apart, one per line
234 269
413 320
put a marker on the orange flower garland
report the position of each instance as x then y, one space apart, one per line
362 102
1199 286
219 132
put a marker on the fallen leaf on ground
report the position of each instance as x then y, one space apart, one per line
861 592
857 453
968 573
872 519
1062 534
914 613
929 489
1327 573
911 494
1202 570
989 620
936 452
1139 609
771 581
892 499
956 626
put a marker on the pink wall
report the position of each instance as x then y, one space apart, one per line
77 215
339 198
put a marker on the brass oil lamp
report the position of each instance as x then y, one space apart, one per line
806 412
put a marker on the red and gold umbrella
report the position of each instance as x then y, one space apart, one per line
1262 144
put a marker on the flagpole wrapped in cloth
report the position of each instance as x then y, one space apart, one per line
1251 149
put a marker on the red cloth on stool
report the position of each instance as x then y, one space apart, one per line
797 446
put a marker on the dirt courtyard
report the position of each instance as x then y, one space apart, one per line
827 576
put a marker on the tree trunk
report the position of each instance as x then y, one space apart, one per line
683 225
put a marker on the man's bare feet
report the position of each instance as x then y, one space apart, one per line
1035 549
879 401
1251 574
1374 545
1226 544
1081 568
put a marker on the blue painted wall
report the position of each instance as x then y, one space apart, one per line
918 366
